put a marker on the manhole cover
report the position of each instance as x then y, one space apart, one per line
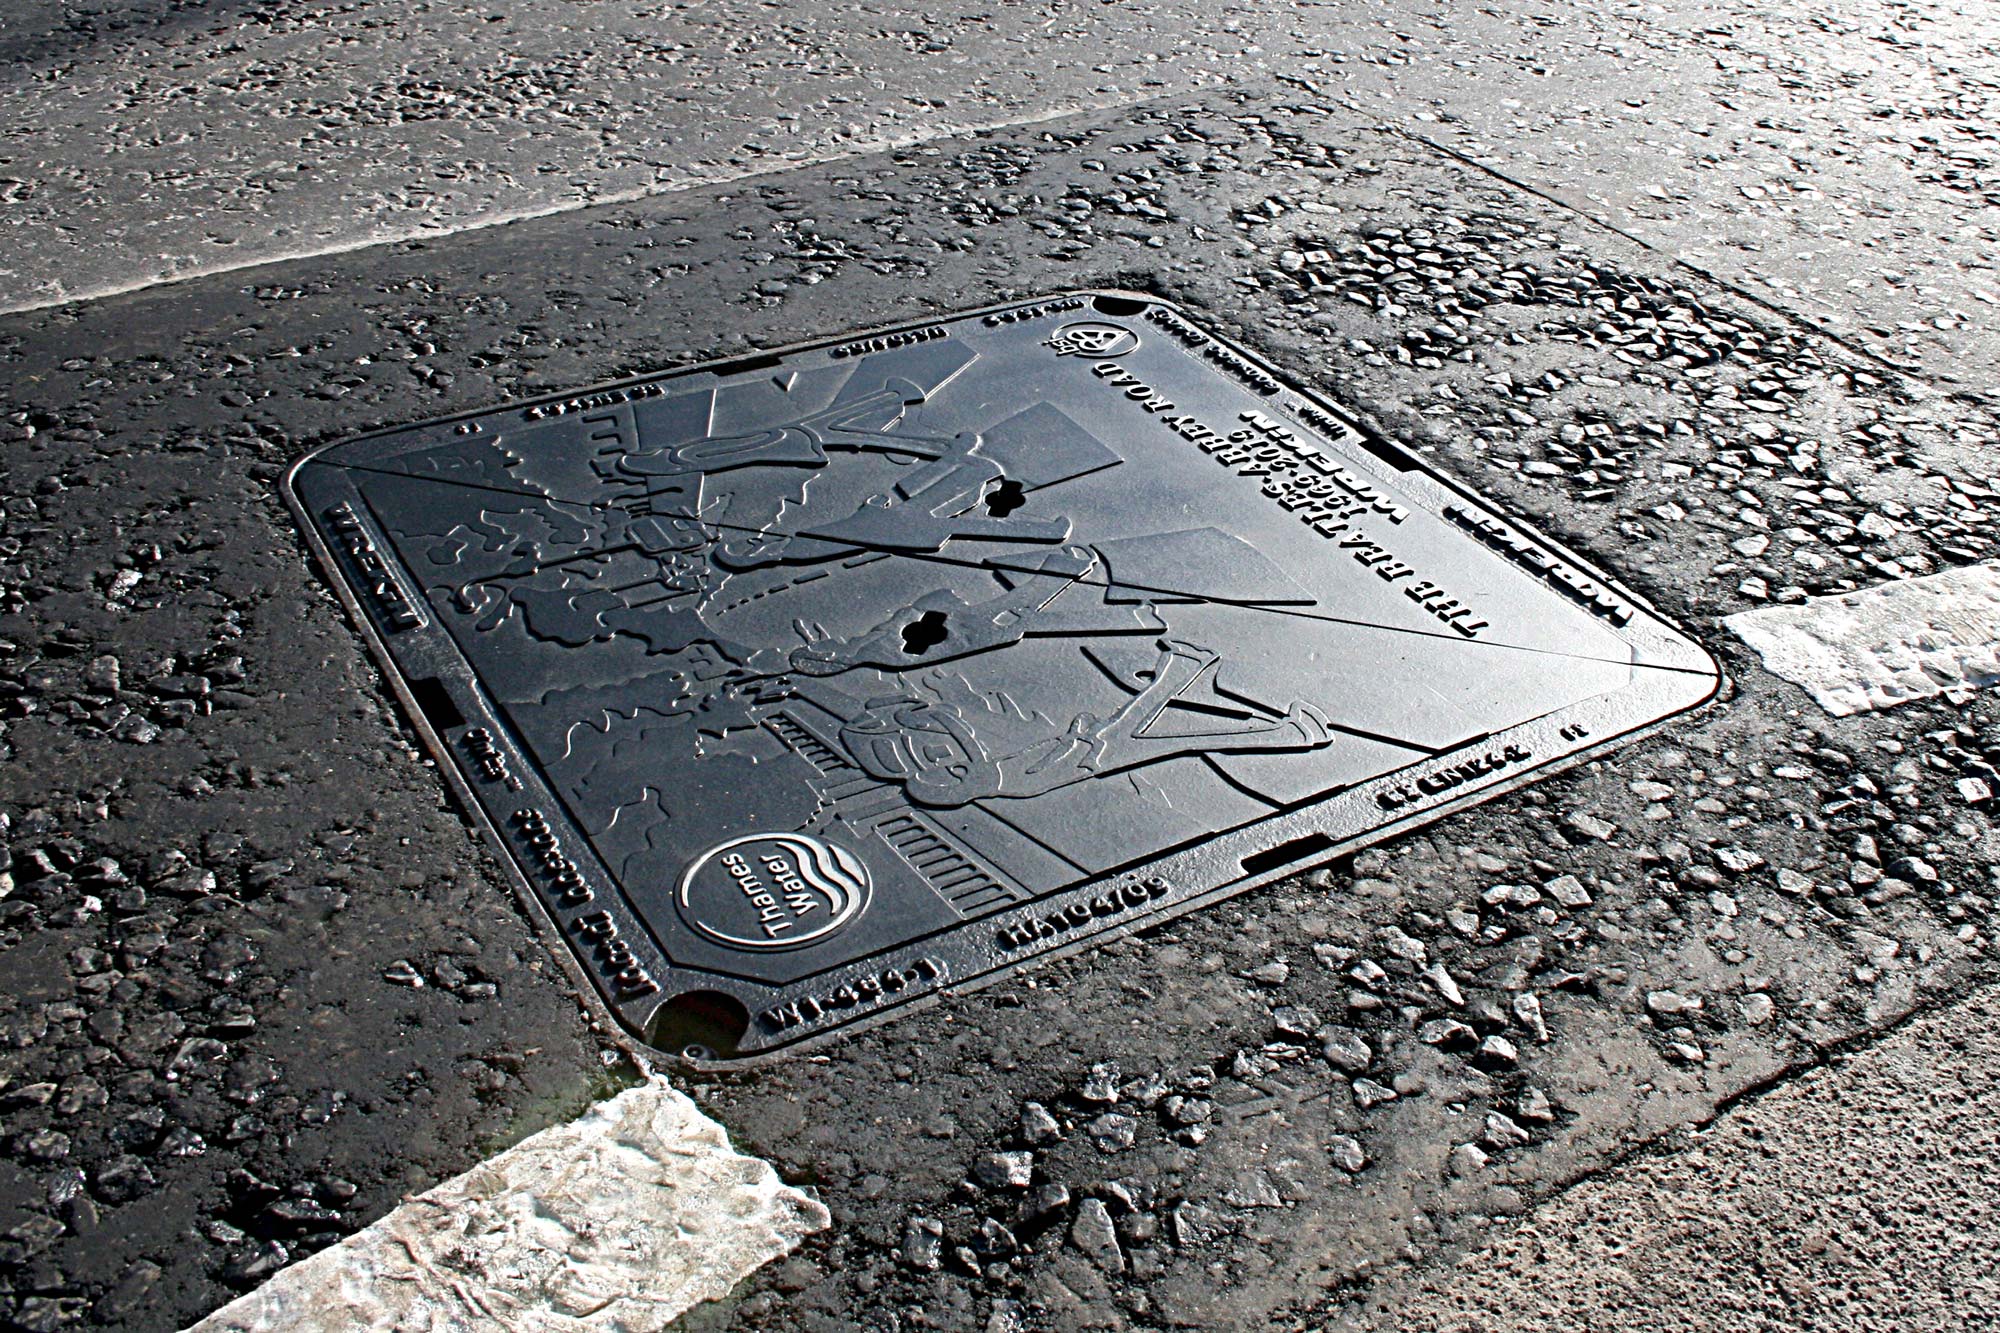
801 687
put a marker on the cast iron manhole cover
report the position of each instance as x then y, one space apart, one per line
801 687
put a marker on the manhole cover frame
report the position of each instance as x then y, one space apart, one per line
445 702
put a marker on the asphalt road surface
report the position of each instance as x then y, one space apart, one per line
1838 159
1705 291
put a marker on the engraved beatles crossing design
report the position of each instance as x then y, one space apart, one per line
977 615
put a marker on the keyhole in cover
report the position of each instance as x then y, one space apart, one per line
924 633
1005 498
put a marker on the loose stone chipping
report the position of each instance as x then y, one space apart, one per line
622 1219
1882 646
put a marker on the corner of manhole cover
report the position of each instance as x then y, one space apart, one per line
801 687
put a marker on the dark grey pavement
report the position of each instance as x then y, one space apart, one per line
1838 159
231 866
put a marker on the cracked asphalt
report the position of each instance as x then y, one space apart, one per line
1704 291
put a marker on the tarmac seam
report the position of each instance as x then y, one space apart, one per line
1823 1055
406 235
1736 289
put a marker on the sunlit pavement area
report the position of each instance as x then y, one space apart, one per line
1696 1035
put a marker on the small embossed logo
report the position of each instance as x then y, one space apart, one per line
1092 338
773 891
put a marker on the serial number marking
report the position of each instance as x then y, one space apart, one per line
1328 425
1593 597
908 338
613 957
488 758
557 873
862 993
1242 367
561 879
1112 902
1021 314
1183 332
630 393
1456 775
376 579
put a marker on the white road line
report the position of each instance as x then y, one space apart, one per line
1882 646
620 1220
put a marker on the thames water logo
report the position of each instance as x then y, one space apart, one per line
773 891
1092 338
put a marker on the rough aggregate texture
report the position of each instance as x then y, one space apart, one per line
1837 158
1750 1224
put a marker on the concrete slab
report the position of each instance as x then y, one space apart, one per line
626 1217
1883 646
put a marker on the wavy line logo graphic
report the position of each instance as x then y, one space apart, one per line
1092 338
773 891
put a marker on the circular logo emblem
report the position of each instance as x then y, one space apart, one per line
1093 338
773 891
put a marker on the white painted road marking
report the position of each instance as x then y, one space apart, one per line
1882 646
620 1220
